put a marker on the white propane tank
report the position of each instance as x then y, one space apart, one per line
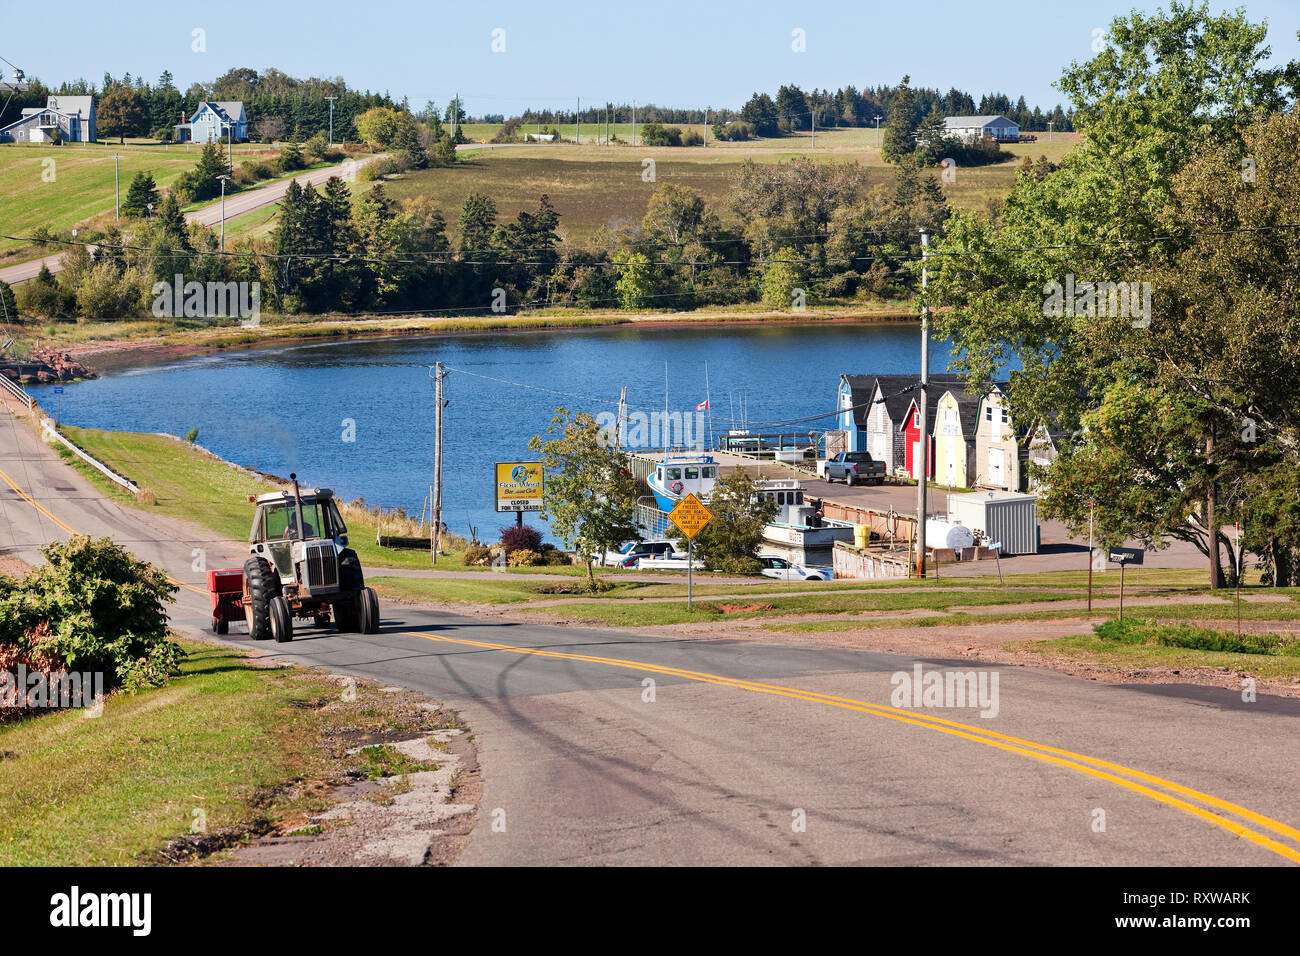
946 534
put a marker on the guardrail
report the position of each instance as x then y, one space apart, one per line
17 391
52 432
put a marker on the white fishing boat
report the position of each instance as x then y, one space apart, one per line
797 530
680 475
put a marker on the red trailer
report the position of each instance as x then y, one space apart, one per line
226 588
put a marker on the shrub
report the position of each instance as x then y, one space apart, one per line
523 558
477 555
1194 638
518 537
554 557
692 138
92 606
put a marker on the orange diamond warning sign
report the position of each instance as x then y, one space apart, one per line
690 515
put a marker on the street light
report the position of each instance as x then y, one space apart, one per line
331 99
224 180
878 119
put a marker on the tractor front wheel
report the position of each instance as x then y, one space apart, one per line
263 585
281 620
368 604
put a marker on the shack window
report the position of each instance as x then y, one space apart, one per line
692 474
674 474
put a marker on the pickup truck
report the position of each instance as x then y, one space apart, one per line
852 467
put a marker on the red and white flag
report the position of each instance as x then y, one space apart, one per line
703 406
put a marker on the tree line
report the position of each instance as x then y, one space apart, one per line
277 105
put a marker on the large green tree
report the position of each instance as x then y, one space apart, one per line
122 113
590 494
1163 106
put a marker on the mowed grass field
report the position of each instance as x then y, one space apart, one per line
79 186
603 186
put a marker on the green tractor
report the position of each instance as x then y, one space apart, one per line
301 567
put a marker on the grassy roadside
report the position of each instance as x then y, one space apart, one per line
229 745
1094 649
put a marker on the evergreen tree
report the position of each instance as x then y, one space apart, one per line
141 196
900 133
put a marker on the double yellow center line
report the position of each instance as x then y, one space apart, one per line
1170 793
1256 828
64 526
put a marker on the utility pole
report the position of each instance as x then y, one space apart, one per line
1090 510
706 127
634 122
117 188
577 118
224 180
814 130
877 131
331 99
438 376
455 115
1049 131
921 412
622 418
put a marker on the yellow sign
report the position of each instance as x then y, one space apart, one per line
690 515
519 485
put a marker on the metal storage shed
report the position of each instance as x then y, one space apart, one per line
1002 515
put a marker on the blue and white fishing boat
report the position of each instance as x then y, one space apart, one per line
680 475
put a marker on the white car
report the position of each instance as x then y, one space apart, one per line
783 570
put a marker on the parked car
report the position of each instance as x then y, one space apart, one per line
633 551
852 467
783 570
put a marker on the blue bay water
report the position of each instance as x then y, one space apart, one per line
283 409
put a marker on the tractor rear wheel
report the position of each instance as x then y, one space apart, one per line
281 620
262 586
351 577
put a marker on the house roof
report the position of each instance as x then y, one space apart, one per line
230 111
900 392
938 386
966 122
71 105
862 391
234 109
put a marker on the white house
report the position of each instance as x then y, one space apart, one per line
70 119
988 127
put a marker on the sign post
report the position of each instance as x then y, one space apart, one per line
690 516
1124 557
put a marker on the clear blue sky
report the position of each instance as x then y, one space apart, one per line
662 51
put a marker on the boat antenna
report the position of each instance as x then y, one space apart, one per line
665 423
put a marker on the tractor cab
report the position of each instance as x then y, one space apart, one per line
279 535
299 566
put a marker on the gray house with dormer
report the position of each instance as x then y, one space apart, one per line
65 119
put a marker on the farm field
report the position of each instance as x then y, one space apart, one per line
602 186
83 183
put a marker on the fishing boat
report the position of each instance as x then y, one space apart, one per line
680 475
797 531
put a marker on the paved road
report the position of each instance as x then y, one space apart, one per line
754 753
